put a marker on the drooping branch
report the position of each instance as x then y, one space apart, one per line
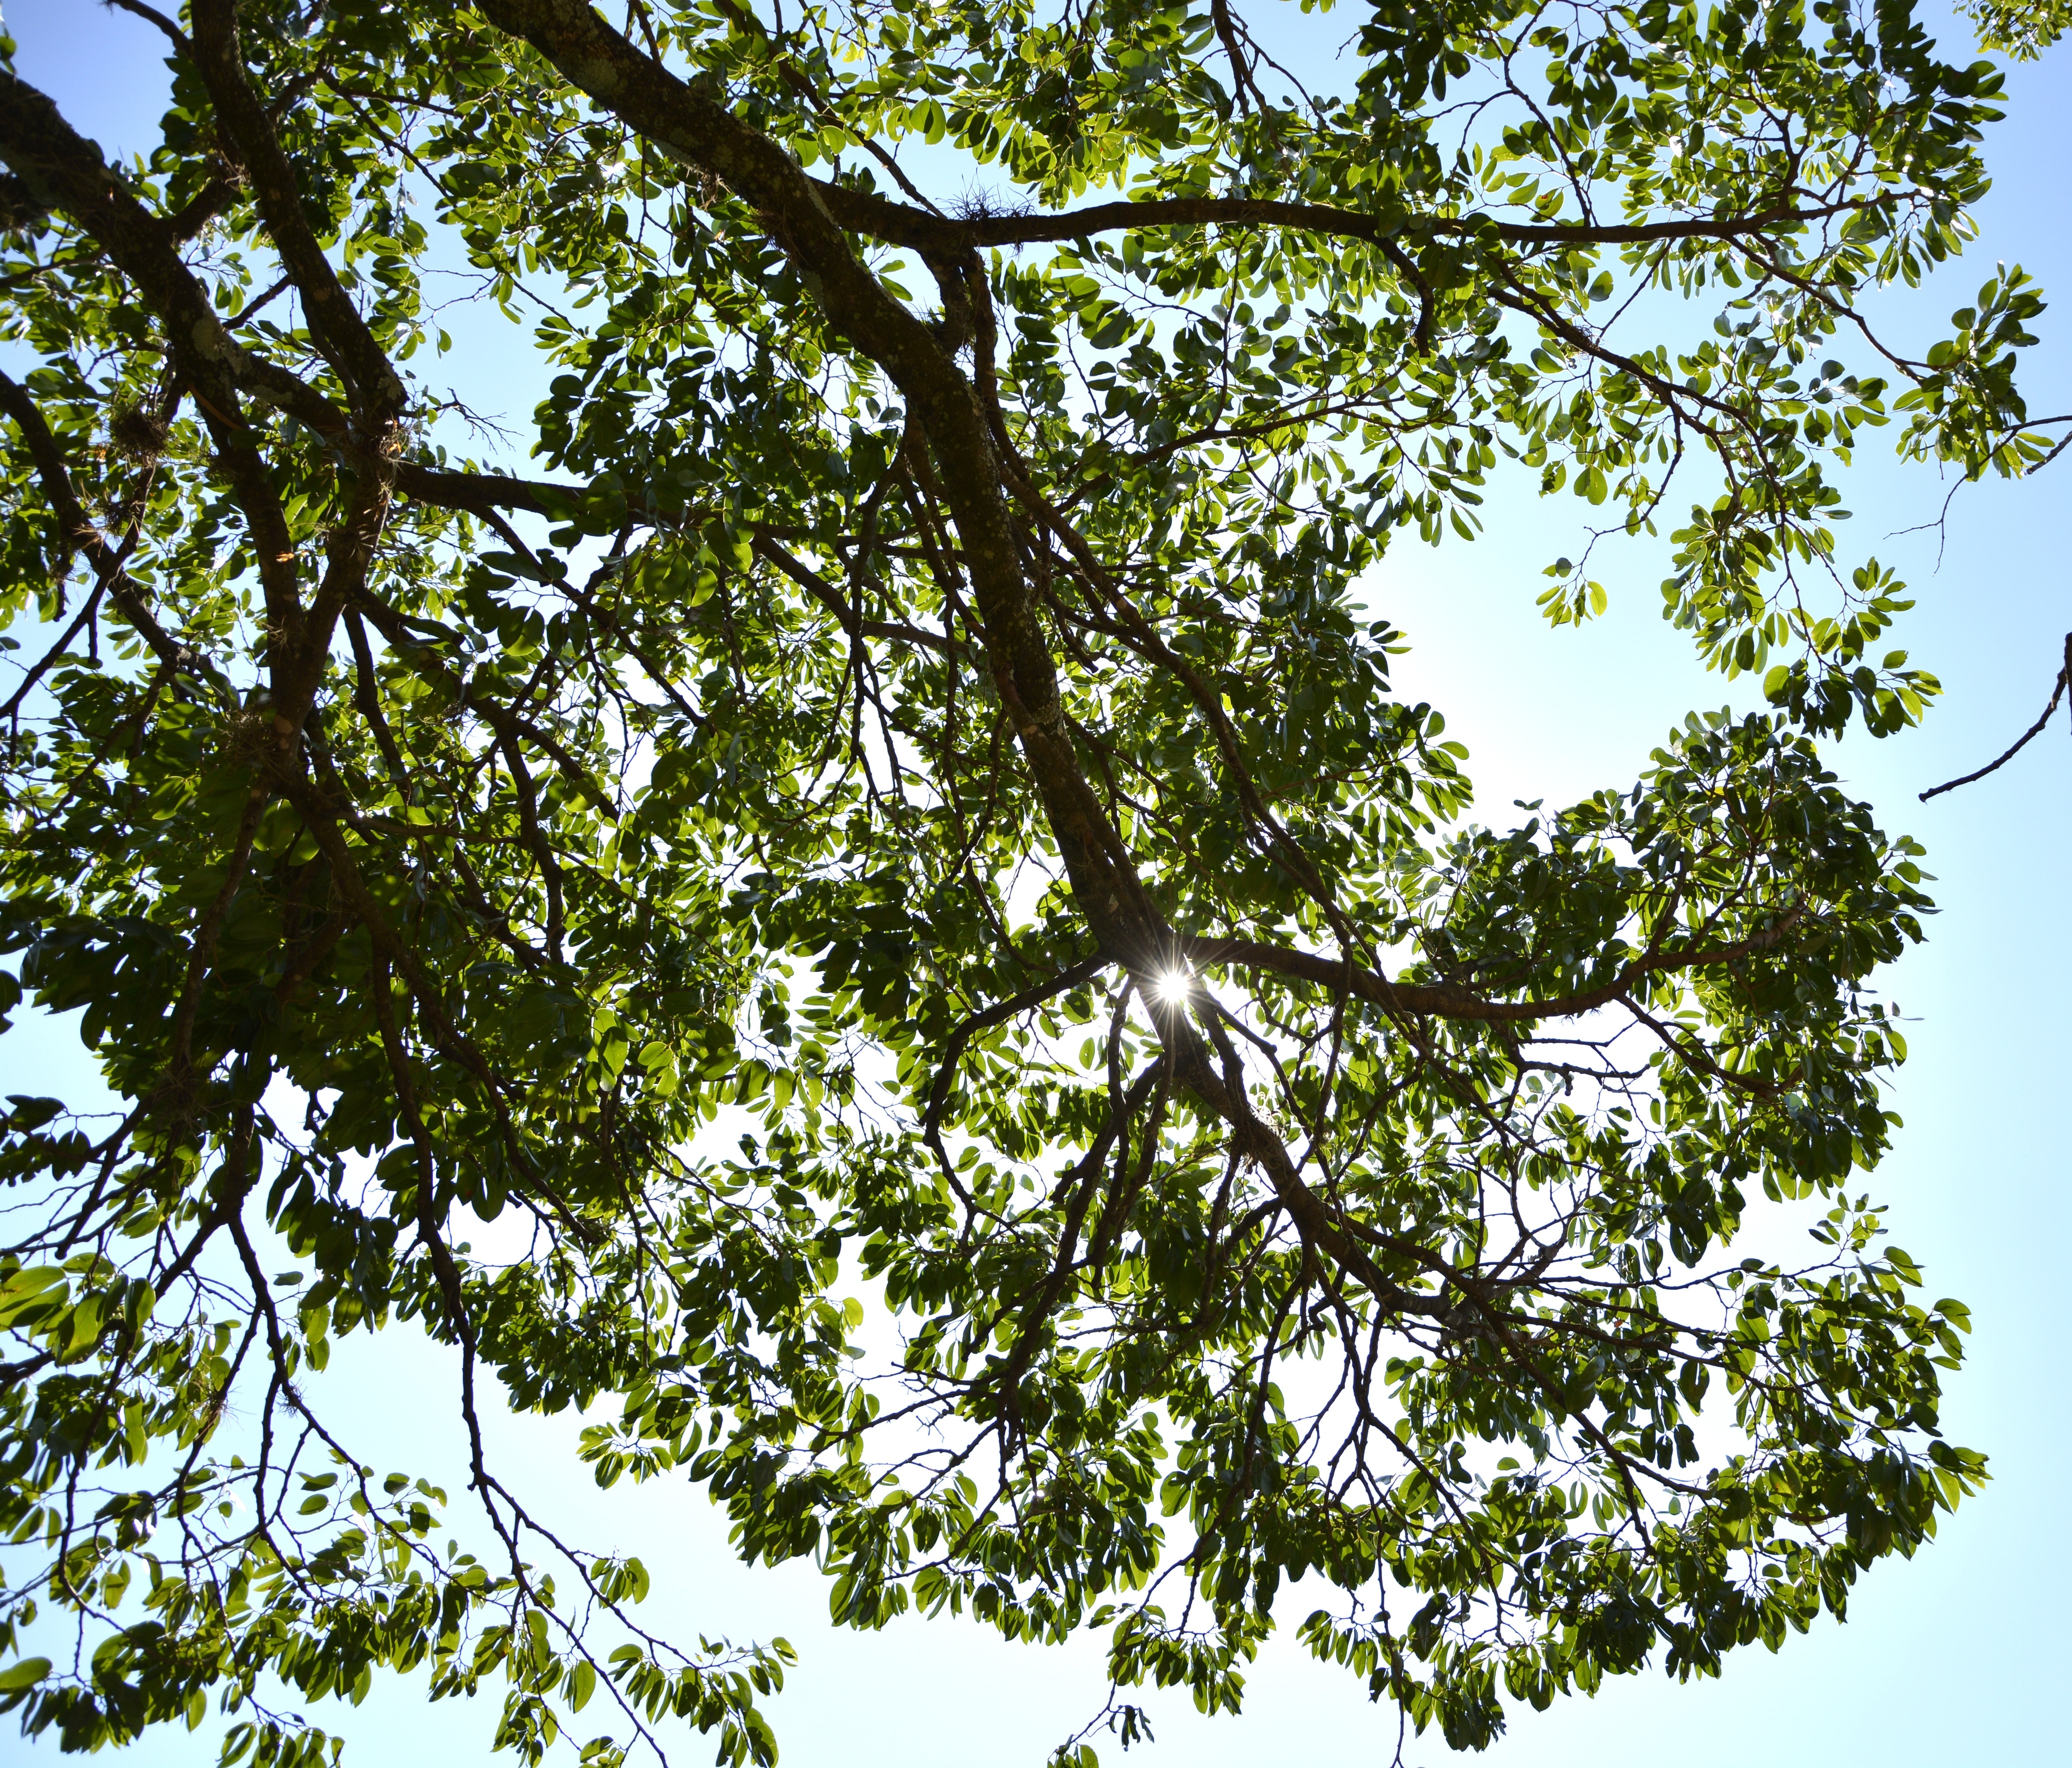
80 534
1446 1002
999 1013
2022 741
66 174
898 223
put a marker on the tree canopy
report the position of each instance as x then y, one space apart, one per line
888 888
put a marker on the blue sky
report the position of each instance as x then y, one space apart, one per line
1950 1658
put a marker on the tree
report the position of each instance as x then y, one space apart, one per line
912 808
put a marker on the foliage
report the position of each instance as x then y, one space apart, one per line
895 882
2023 28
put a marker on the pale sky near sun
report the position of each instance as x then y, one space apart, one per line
1950 1658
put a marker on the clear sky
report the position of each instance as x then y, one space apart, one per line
1951 1659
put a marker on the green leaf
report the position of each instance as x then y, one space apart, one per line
24 1673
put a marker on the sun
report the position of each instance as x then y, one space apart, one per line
1173 987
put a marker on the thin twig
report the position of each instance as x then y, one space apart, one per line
2023 741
